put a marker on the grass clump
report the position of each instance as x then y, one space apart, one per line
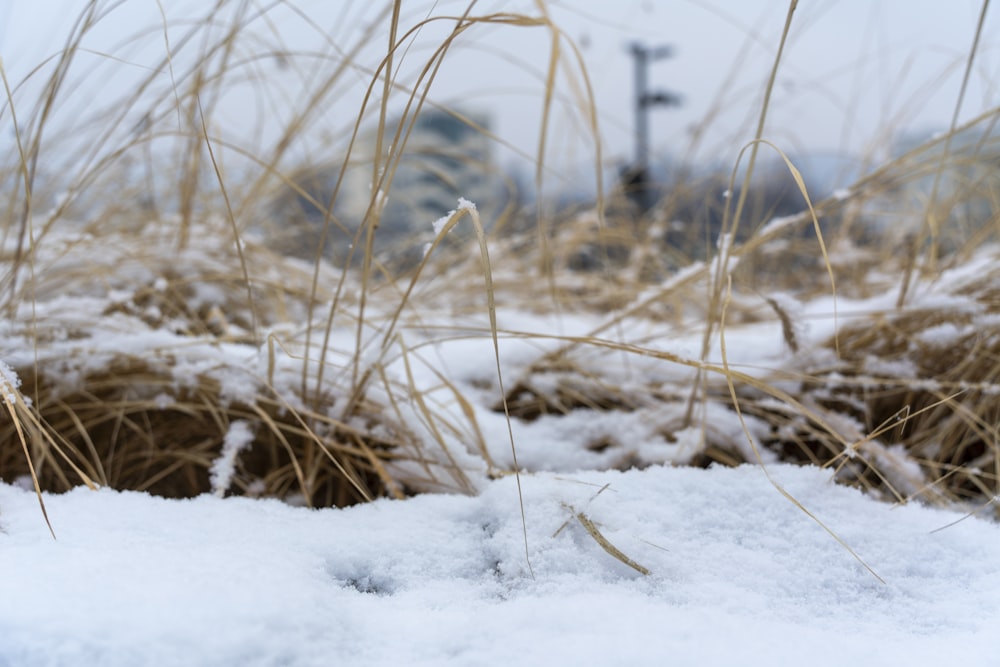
163 343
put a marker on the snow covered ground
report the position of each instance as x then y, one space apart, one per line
737 575
664 565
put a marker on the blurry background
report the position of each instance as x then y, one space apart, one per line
857 75
283 88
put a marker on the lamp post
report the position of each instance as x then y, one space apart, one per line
644 99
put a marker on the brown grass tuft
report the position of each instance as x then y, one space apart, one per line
152 328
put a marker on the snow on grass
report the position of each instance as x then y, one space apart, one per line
239 436
735 569
736 572
11 383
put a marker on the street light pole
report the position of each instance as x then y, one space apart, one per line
644 99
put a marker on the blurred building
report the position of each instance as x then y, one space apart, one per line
445 156
950 183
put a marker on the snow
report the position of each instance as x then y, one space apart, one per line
737 573
238 437
441 223
11 383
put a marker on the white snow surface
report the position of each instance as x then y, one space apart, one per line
738 575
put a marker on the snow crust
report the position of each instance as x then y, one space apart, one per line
735 571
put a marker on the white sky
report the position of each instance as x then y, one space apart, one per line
852 68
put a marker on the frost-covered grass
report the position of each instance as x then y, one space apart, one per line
140 378
160 345
152 340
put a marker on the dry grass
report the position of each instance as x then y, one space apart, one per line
144 319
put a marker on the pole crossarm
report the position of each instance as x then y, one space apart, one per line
662 98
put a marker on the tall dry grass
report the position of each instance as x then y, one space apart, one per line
150 329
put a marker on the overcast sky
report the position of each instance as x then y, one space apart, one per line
852 70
